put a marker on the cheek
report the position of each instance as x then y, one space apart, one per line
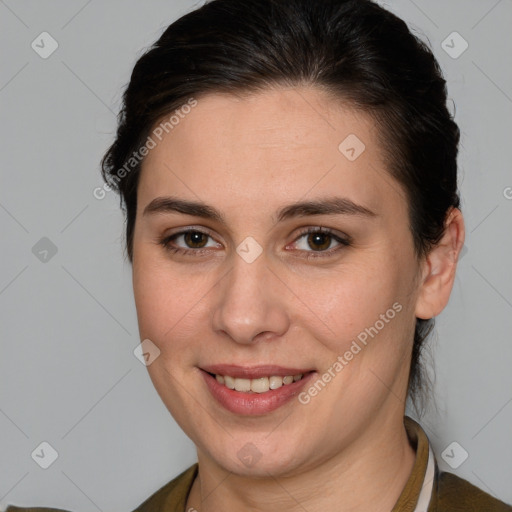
171 306
364 315
156 299
350 300
148 294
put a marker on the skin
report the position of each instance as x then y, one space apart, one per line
248 156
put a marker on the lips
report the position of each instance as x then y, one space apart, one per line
233 386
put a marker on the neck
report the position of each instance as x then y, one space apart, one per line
369 475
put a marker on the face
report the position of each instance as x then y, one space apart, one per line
233 277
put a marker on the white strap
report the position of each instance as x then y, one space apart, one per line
428 484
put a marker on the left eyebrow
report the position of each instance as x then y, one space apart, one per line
327 206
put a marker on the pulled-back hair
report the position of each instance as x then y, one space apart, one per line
353 49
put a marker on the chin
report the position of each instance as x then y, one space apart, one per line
245 455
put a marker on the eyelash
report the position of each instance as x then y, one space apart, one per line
344 242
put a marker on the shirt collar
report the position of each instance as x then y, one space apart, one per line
417 492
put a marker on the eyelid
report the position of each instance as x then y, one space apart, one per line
185 229
324 230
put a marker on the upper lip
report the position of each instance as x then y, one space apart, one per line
253 372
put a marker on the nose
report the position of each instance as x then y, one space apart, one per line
250 304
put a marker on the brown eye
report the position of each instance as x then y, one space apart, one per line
319 241
195 239
190 242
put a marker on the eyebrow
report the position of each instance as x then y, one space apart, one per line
327 206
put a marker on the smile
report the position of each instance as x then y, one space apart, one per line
260 385
251 391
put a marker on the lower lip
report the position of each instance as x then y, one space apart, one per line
253 404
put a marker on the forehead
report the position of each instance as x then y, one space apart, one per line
268 148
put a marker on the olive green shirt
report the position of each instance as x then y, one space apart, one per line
449 492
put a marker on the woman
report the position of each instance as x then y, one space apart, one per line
288 171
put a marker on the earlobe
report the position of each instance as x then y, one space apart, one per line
439 266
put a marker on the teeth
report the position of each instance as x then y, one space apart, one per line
261 385
275 382
229 382
243 384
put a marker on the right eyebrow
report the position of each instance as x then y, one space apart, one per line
173 205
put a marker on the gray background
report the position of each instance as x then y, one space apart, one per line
68 324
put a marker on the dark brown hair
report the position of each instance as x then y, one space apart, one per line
354 49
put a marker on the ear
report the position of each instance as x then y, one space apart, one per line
438 268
